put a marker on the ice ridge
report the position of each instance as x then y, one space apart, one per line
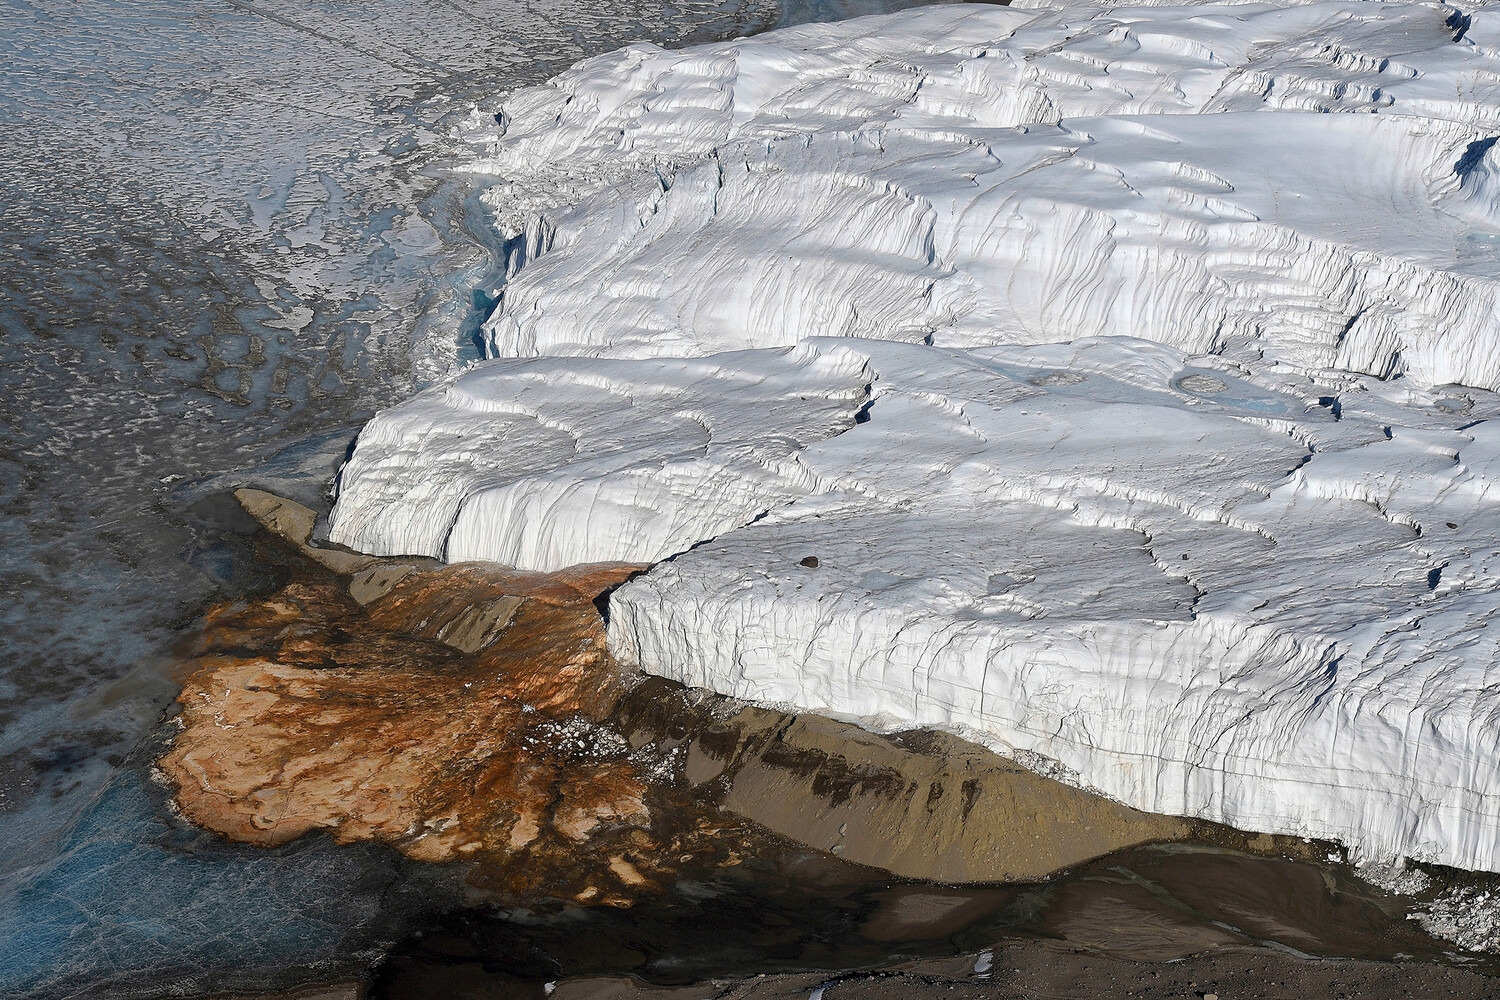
545 464
1202 593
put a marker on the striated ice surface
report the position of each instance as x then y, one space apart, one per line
1165 471
973 175
545 464
1260 600
1228 590
227 233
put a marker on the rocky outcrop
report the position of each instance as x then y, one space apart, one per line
294 523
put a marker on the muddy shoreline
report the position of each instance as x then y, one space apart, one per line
1017 970
752 853
1024 971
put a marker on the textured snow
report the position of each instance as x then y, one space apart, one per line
1121 427
947 174
544 464
1205 594
1230 591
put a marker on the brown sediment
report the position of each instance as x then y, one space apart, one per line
307 711
452 712
921 805
473 712
295 523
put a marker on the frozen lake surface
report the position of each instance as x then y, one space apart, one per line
227 240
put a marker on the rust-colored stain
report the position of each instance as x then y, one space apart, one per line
307 711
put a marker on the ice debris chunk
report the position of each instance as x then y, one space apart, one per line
971 176
1232 593
547 463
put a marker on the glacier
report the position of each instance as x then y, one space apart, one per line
1112 386
972 175
539 465
1203 593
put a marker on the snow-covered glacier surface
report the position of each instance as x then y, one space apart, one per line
545 464
977 175
1242 595
1112 385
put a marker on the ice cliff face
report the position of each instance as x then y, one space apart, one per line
1205 594
539 465
1348 240
1119 429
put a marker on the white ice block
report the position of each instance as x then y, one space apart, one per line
971 176
544 464
1203 594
